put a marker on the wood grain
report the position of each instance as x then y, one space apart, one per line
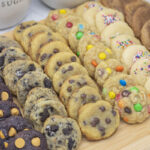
127 137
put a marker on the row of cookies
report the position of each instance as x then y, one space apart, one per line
101 62
134 10
68 77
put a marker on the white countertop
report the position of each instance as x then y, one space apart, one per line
37 11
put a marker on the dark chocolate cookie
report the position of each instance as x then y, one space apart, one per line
8 109
28 140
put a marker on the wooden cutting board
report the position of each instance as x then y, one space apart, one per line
127 137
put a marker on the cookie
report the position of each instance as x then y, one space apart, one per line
44 109
147 85
1 80
81 9
76 34
20 28
65 72
131 8
115 84
5 42
90 15
106 3
13 125
107 69
50 49
55 16
40 39
140 70
16 70
117 4
98 120
133 104
94 56
36 94
5 94
86 43
81 97
120 42
26 140
139 18
112 30
8 109
74 83
107 17
28 33
2 144
29 81
133 53
62 133
65 24
58 60
145 34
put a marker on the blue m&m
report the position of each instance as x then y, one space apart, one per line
123 82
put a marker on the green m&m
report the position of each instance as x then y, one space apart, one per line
134 89
138 107
79 35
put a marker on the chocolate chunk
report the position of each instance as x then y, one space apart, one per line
44 115
71 143
102 108
70 68
69 89
93 98
2 58
127 110
19 73
95 122
43 56
47 83
67 131
125 93
83 96
73 59
60 84
59 63
64 71
114 112
50 55
31 67
1 48
50 40
12 50
55 50
54 128
71 81
10 60
108 121
102 130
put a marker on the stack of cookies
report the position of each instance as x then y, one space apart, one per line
137 16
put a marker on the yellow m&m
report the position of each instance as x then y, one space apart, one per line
62 11
109 70
108 50
89 47
102 56
112 95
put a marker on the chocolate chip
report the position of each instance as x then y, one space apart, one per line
54 128
95 122
36 84
59 142
44 115
10 60
60 84
31 67
102 108
55 50
67 131
73 59
69 89
70 68
50 40
93 97
30 34
2 58
59 63
125 93
47 83
1 48
71 143
19 73
127 110
12 50
114 112
102 130
41 45
71 81
49 33
83 96
108 121
84 122
50 55
43 57
64 71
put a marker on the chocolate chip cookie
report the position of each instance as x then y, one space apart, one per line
98 120
29 81
58 60
16 70
36 94
65 72
62 133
